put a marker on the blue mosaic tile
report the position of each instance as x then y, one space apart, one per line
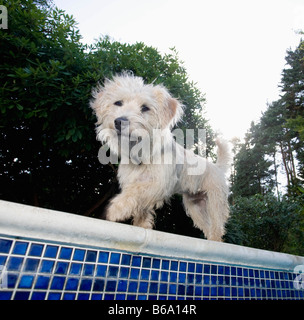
111 286
199 268
172 289
31 265
3 260
126 259
51 251
61 268
69 296
12 280
153 287
164 276
145 274
42 282
79 255
38 295
5 245
5 295
14 264
154 275
76 268
65 253
146 262
156 263
103 257
96 296
165 264
174 265
102 271
36 249
182 266
72 284
26 282
99 285
22 295
91 256
122 285
113 271
136 261
134 274
41 271
191 267
57 283
173 277
47 266
133 286
54 296
20 248
88 270
85 285
109 297
84 296
115 257
143 287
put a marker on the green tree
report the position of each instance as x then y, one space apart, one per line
265 222
258 218
252 169
292 85
47 130
48 150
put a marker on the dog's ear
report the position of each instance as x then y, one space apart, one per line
175 110
170 109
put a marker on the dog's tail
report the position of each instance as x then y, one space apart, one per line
223 154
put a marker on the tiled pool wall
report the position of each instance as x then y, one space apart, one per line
55 268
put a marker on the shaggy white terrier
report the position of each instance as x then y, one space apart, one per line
135 122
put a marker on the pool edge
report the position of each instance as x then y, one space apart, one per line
38 223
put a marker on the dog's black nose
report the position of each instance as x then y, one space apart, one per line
119 122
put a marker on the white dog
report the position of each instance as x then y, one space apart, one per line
134 117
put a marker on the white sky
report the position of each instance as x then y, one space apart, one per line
233 49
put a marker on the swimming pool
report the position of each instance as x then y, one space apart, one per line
52 255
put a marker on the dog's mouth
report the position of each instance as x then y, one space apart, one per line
129 138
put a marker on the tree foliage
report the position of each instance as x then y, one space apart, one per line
48 150
270 162
265 222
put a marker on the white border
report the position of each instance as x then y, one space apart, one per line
42 224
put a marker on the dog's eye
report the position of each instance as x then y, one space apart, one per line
118 103
144 108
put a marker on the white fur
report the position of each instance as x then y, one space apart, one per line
146 185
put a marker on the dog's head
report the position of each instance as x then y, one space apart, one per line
126 101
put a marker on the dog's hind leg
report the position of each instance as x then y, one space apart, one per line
195 206
218 211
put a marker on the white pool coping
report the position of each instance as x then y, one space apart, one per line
25 221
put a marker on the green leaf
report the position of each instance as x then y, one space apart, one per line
69 134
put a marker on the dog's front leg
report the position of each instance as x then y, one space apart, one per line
120 208
133 202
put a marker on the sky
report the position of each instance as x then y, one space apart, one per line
234 50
